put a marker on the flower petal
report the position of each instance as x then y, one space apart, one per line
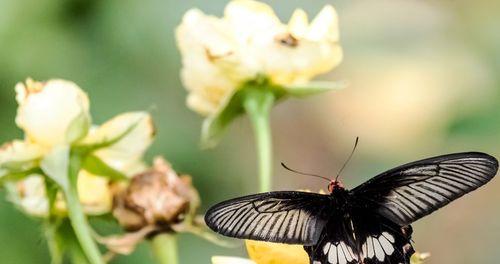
95 193
230 260
30 195
275 253
17 156
129 136
46 111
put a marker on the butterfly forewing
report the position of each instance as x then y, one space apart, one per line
285 217
411 191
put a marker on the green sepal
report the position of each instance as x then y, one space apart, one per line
214 126
313 88
78 127
98 167
55 165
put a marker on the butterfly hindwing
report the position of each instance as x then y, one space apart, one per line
411 191
381 241
337 244
285 217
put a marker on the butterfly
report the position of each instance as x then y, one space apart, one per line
369 224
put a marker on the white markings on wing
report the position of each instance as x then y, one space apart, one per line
378 246
339 253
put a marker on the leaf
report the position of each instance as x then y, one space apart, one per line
98 167
313 88
214 127
78 127
55 165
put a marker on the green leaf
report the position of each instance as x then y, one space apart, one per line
313 88
78 128
214 127
97 166
55 165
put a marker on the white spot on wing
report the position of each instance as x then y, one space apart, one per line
371 252
341 255
346 251
326 248
389 237
386 245
332 254
379 252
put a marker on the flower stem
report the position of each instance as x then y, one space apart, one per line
165 248
55 250
77 217
258 104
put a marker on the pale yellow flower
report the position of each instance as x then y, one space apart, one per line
94 193
54 114
136 131
220 54
19 154
47 110
276 253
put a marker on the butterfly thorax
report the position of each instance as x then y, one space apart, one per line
335 186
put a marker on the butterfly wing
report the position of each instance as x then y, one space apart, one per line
382 241
409 192
284 217
337 243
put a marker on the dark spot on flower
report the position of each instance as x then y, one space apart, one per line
288 40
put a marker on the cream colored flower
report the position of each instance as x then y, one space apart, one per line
18 156
94 193
220 54
132 133
47 111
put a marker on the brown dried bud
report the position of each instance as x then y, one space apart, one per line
157 197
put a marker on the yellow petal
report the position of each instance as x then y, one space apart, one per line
135 131
250 20
46 110
298 24
230 260
209 72
19 151
95 193
31 197
275 253
325 25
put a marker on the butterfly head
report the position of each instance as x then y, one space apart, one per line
335 185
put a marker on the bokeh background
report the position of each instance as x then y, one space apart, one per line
424 80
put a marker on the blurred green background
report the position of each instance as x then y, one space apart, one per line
424 80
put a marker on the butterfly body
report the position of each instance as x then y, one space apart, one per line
369 224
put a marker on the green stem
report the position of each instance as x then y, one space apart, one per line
165 248
77 217
258 103
55 250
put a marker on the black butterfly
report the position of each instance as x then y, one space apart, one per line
369 224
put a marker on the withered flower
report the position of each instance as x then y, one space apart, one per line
157 197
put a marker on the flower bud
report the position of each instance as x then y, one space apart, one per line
53 112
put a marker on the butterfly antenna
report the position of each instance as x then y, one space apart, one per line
303 173
348 159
